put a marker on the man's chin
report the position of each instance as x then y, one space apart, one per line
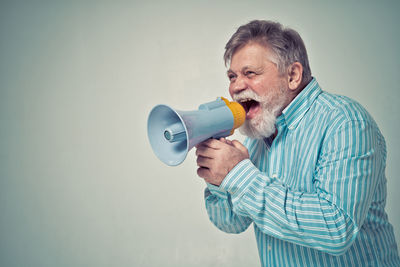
255 132
261 126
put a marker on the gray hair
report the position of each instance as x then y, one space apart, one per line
285 43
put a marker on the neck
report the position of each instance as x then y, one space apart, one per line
293 93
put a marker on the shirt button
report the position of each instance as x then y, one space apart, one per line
274 175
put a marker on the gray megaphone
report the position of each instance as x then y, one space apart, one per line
173 133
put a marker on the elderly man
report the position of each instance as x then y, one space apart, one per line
310 175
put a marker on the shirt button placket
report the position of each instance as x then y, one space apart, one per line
269 249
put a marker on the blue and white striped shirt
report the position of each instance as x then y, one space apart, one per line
316 193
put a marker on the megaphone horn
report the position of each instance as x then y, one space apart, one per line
173 133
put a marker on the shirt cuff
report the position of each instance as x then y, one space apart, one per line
239 179
216 191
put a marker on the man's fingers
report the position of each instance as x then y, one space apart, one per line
225 141
209 147
204 162
204 173
204 151
211 143
239 146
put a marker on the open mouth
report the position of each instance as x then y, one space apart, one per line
251 107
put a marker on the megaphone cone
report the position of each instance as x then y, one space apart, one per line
173 133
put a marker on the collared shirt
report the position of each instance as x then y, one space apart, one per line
316 193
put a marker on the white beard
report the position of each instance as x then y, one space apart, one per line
263 125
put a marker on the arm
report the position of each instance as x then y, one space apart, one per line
350 163
218 201
219 209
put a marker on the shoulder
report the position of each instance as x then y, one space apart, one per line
348 118
342 108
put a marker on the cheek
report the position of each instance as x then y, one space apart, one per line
266 86
260 87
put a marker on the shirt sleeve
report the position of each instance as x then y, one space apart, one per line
350 163
220 212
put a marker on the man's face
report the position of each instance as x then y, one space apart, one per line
256 83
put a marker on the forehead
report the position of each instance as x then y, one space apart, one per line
251 55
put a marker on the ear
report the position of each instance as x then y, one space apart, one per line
295 76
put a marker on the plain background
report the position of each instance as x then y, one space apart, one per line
79 184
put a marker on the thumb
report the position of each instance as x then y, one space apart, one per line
239 146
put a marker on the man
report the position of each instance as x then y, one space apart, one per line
310 175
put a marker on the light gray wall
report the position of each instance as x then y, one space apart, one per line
79 184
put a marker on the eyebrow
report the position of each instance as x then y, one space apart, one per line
244 69
230 72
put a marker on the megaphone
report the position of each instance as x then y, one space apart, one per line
173 133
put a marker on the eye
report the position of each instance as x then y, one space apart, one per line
231 77
250 73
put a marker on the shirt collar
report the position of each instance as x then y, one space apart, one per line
295 111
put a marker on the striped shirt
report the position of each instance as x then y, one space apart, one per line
316 193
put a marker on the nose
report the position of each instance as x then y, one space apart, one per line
238 85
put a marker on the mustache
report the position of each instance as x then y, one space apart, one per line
245 95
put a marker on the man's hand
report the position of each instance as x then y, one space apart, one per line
216 158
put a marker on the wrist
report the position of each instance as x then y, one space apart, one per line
216 190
